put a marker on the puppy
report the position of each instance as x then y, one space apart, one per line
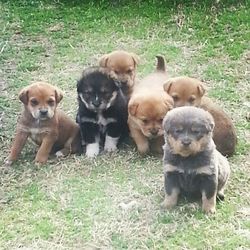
124 65
102 113
188 91
46 125
147 107
192 165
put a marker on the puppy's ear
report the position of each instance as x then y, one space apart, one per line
135 58
210 122
167 85
169 102
104 60
201 89
132 108
24 95
58 94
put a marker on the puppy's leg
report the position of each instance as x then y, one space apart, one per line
45 148
113 134
19 142
91 136
209 191
140 140
172 190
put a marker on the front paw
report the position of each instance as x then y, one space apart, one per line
111 143
8 162
92 150
41 159
209 209
143 148
168 203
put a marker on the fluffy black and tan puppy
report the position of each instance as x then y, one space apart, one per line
102 113
192 165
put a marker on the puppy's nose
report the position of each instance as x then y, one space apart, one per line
154 131
186 142
96 103
43 112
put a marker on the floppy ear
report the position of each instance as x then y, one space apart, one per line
135 58
201 89
169 102
167 85
104 60
24 95
210 122
132 108
58 94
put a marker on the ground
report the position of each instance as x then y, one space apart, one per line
113 201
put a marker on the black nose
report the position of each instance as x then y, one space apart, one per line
186 142
154 131
43 111
96 103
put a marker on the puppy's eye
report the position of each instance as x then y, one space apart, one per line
191 99
86 92
51 102
160 120
34 102
196 131
178 131
176 98
129 71
117 72
145 121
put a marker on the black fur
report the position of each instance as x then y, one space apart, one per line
95 90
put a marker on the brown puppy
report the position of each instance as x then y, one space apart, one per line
189 91
44 124
147 107
123 64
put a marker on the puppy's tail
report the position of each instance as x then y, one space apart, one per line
161 65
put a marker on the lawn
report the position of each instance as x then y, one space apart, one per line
113 201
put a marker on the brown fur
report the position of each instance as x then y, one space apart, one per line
189 91
123 64
147 107
53 132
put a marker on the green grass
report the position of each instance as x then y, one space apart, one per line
113 202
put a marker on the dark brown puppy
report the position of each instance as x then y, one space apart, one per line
123 64
44 124
188 91
192 165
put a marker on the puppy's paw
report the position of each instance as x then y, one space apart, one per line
92 150
209 210
110 143
40 160
8 162
168 204
143 148
59 154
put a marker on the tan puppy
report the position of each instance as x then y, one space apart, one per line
44 124
189 91
147 107
123 64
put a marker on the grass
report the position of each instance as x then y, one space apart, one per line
113 202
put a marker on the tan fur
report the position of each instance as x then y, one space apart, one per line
208 205
189 91
54 132
170 201
123 64
147 107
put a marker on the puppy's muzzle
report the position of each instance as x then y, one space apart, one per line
186 142
43 113
96 103
154 131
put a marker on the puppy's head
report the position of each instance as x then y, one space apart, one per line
97 90
185 91
188 130
123 64
148 113
41 99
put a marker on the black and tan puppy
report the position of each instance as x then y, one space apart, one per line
192 165
102 113
46 125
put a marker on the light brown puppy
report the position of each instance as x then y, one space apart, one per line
147 107
46 125
123 64
188 91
